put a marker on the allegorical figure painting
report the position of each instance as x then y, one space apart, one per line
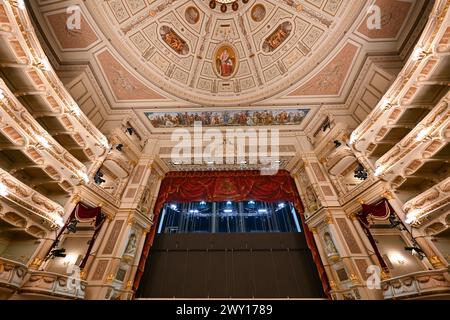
227 118
226 61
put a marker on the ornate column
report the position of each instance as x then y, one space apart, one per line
115 263
430 253
47 243
363 237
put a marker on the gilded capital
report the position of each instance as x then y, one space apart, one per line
385 274
354 278
36 263
76 198
351 215
388 195
129 284
110 278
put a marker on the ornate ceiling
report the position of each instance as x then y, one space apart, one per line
167 55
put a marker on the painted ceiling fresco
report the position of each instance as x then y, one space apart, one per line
227 118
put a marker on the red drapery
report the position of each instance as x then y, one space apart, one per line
232 186
379 211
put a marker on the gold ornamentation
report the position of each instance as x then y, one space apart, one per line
110 278
129 284
385 274
361 201
354 278
436 262
333 285
388 195
277 37
351 215
76 198
328 219
36 263
174 41
313 230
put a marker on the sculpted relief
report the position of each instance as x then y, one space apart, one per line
174 41
277 37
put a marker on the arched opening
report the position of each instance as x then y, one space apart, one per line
229 235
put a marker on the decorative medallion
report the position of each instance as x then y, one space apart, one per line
192 15
226 61
258 12
277 37
173 40
223 4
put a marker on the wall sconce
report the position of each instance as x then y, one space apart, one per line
76 111
44 65
42 142
3 190
379 171
353 138
20 4
385 104
412 216
398 258
83 175
423 135
419 54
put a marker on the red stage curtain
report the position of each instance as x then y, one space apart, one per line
379 211
232 186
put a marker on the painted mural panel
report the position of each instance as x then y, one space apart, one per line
227 118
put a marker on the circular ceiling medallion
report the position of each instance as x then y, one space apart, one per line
226 61
192 15
258 12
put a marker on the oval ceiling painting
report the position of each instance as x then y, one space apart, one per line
226 61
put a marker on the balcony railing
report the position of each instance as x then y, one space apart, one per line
419 284
12 273
53 284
